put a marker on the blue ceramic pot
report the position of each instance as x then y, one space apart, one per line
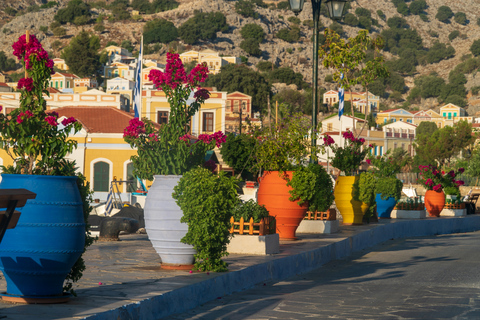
385 207
37 255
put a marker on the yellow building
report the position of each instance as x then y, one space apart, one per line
359 100
212 58
427 115
393 115
61 80
119 69
60 64
209 119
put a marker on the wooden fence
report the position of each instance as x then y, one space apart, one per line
266 226
330 214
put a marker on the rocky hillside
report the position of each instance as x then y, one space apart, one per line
295 55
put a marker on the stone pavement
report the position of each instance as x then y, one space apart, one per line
124 280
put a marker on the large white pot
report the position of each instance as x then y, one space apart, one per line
162 222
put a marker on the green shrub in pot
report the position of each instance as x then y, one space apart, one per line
389 187
207 202
313 184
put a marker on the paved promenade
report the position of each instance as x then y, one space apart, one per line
123 279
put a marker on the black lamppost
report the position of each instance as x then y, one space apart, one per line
335 10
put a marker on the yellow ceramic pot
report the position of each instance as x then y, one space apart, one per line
351 210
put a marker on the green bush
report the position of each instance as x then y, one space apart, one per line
81 20
237 152
308 23
439 51
453 35
475 48
381 15
389 187
314 185
350 19
246 8
243 59
329 78
48 5
293 20
207 202
365 23
362 12
283 5
478 22
59 32
203 26
337 27
460 18
289 35
10 11
33 8
251 46
433 34
423 17
475 90
265 66
417 7
397 23
250 209
163 5
252 31
287 76
444 14
403 9
43 29
75 8
159 31
99 27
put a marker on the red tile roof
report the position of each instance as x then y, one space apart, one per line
98 119
3 84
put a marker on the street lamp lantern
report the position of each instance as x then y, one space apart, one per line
296 6
335 8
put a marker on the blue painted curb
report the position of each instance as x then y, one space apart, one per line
189 297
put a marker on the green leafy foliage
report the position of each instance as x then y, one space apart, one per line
444 14
389 187
238 152
461 18
381 15
293 20
75 8
250 209
285 146
439 51
81 55
207 202
252 31
454 34
202 26
314 185
475 48
288 76
418 6
350 19
289 35
265 66
144 6
241 78
10 11
251 46
6 64
246 8
159 31
283 5
366 188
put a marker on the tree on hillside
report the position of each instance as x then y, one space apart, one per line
203 26
426 128
475 48
81 55
444 14
460 18
74 9
418 6
252 31
159 31
241 78
6 64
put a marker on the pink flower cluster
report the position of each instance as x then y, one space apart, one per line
134 129
436 180
51 121
153 136
22 49
218 136
187 138
175 74
68 121
26 83
349 136
24 115
327 140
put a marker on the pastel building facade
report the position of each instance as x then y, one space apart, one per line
212 58
359 100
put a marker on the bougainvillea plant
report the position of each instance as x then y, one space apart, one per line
434 179
31 136
349 157
169 148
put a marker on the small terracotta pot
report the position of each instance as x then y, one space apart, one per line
273 194
434 202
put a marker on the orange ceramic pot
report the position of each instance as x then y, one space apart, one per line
273 194
434 202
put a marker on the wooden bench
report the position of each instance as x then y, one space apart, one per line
11 199
471 202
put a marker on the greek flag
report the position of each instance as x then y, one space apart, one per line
109 203
341 99
137 90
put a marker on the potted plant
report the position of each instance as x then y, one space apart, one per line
409 209
237 152
207 202
434 180
347 159
388 188
165 153
452 193
366 194
279 152
249 209
46 246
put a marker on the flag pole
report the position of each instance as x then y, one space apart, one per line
141 79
